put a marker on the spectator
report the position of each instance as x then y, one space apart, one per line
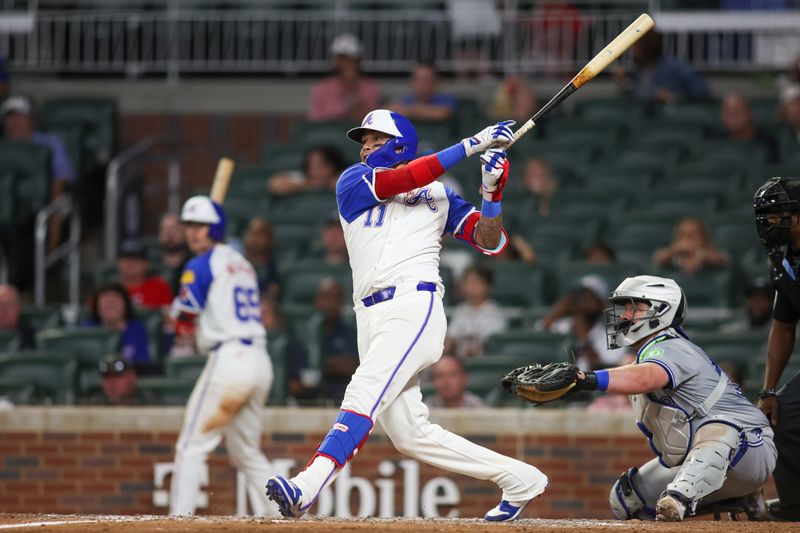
600 253
258 249
738 125
513 99
450 380
3 78
333 250
613 402
150 292
119 384
19 125
580 314
300 378
691 249
475 319
346 94
790 115
425 102
321 168
660 78
111 308
757 309
540 181
474 24
339 350
9 318
174 251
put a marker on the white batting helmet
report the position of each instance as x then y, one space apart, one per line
204 210
667 308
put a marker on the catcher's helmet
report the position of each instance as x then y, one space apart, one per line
401 148
667 309
204 210
775 202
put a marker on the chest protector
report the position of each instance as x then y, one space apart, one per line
668 427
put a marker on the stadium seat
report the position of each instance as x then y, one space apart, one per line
88 345
53 375
308 207
98 116
9 342
563 229
740 348
17 391
604 109
570 274
707 288
186 368
278 348
165 391
153 320
519 284
277 157
30 164
702 114
300 284
736 236
249 182
537 346
670 137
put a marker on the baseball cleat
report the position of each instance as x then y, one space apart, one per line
670 509
287 495
505 511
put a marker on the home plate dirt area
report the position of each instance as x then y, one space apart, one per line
87 523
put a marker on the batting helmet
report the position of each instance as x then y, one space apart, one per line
667 309
401 148
203 210
775 202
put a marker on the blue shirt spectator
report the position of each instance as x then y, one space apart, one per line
61 164
3 77
425 102
111 308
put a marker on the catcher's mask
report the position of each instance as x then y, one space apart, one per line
667 308
775 203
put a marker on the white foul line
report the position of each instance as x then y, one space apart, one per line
68 522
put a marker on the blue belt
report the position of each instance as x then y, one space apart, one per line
246 342
388 293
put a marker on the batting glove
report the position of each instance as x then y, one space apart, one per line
499 135
494 173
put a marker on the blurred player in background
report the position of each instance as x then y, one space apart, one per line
394 214
219 292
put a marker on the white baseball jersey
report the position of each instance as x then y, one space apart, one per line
386 244
222 276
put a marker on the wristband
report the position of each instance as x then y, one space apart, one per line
490 209
602 379
450 156
767 393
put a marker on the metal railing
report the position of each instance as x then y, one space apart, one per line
69 250
118 176
268 40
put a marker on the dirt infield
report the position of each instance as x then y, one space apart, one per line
81 523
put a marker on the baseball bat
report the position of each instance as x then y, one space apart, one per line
612 51
222 179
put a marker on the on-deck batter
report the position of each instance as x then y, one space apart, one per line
394 214
219 290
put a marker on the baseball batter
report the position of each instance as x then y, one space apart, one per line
219 292
394 214
712 443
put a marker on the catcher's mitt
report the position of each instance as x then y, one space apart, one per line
546 383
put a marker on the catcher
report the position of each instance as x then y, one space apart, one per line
712 445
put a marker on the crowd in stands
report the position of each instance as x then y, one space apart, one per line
317 339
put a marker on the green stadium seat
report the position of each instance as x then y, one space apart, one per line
570 274
88 345
300 284
278 348
434 135
153 320
736 236
536 346
704 114
249 182
519 284
17 391
241 209
186 368
740 348
53 375
680 204
308 207
605 109
708 288
8 208
277 157
564 229
98 116
670 137
165 391
9 341
30 164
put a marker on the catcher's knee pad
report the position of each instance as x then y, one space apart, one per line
626 501
706 465
346 436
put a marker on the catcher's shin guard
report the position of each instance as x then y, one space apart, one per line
626 501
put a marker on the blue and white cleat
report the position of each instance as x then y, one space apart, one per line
287 495
505 511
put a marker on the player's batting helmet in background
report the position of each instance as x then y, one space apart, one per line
775 202
203 210
400 149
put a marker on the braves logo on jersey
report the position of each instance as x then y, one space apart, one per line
413 198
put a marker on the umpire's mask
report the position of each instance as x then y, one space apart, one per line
775 202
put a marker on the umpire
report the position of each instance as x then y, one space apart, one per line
777 210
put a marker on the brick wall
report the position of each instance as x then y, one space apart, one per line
102 460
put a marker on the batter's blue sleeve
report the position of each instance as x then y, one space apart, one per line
195 283
457 211
355 191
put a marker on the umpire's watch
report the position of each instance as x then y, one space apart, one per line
767 393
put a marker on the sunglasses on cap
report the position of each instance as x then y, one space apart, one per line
114 368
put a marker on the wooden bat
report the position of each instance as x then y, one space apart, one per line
615 48
222 179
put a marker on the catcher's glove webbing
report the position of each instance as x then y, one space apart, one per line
545 383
